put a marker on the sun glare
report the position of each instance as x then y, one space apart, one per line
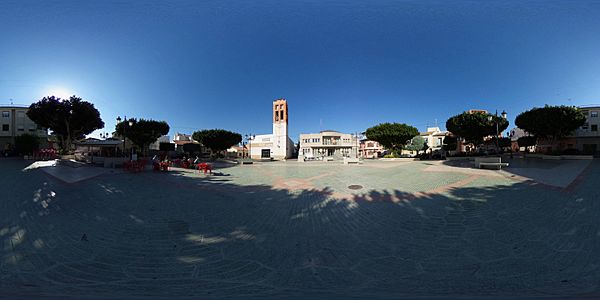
62 93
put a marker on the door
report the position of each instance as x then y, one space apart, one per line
265 153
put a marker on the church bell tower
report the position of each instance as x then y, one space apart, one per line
280 128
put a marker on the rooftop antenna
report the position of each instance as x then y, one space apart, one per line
11 101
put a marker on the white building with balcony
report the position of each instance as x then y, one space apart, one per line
328 143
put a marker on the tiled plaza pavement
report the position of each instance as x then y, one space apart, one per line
414 229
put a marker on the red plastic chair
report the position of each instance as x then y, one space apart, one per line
204 167
164 166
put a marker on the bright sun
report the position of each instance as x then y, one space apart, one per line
62 93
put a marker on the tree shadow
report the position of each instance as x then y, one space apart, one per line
173 235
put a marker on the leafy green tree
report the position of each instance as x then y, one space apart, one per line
68 119
551 122
217 140
473 127
142 132
417 143
392 136
450 143
26 143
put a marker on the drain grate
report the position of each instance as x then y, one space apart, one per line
355 187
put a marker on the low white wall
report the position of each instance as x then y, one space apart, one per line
559 157
399 159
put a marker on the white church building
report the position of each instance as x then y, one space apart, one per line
277 145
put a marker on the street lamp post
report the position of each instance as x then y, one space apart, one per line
125 126
130 123
490 118
124 138
249 137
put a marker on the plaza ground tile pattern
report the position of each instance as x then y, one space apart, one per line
290 229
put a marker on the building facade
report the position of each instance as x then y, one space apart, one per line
237 152
156 144
370 149
14 122
515 134
278 144
434 140
328 143
434 137
587 137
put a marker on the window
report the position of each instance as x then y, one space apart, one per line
594 114
32 129
5 127
20 128
20 114
585 126
594 127
5 114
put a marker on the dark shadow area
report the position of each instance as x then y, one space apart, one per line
174 235
553 173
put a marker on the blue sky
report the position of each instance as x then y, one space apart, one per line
344 65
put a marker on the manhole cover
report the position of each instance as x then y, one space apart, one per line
355 187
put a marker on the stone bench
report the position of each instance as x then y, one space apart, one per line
351 160
492 162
